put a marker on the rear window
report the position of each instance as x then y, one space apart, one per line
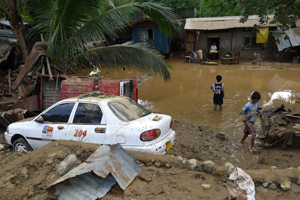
127 109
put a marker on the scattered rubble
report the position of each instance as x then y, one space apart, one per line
275 127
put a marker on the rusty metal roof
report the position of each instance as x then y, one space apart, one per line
290 38
38 50
94 178
220 23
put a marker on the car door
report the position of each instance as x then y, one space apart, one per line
88 125
53 127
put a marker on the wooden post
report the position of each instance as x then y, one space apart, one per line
9 82
49 69
47 61
55 89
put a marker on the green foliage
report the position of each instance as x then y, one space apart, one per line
177 4
286 12
73 27
216 8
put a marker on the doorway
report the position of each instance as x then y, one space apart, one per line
211 41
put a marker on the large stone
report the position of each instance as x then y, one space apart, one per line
208 166
265 184
230 168
221 136
67 164
180 158
273 167
261 190
168 165
206 186
157 164
192 164
286 185
272 186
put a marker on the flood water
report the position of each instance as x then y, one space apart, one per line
188 95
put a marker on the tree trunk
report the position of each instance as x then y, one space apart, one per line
21 41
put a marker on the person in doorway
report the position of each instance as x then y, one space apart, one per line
249 111
213 47
218 89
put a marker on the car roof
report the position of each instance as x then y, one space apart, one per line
94 98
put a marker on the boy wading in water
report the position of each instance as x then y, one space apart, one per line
218 89
249 111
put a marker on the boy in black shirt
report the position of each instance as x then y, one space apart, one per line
218 89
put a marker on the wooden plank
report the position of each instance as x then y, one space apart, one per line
293 116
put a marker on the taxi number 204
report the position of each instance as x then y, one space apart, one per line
80 133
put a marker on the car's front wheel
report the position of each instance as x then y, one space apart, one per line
21 145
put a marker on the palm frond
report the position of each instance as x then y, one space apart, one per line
112 22
4 7
163 16
140 57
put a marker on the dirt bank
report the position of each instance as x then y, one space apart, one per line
25 176
200 142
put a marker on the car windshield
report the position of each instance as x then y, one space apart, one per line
127 109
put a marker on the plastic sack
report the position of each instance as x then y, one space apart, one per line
240 185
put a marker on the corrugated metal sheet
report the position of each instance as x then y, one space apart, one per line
290 38
294 36
39 49
86 187
111 163
219 23
8 34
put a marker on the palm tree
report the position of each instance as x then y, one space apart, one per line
72 27
9 10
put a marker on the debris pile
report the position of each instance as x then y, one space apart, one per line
280 125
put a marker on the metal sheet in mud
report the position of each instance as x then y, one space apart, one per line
86 187
96 175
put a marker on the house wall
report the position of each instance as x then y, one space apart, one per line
160 41
233 40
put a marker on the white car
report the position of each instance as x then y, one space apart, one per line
95 119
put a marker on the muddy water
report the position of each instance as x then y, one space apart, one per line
188 95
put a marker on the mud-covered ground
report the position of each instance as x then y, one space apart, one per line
200 142
26 176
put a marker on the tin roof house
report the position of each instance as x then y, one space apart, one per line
231 35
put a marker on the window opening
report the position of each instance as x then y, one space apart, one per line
88 114
59 113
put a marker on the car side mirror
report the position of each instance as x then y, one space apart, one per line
39 119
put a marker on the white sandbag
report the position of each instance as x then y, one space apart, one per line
240 180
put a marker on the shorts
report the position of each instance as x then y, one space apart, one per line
249 128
